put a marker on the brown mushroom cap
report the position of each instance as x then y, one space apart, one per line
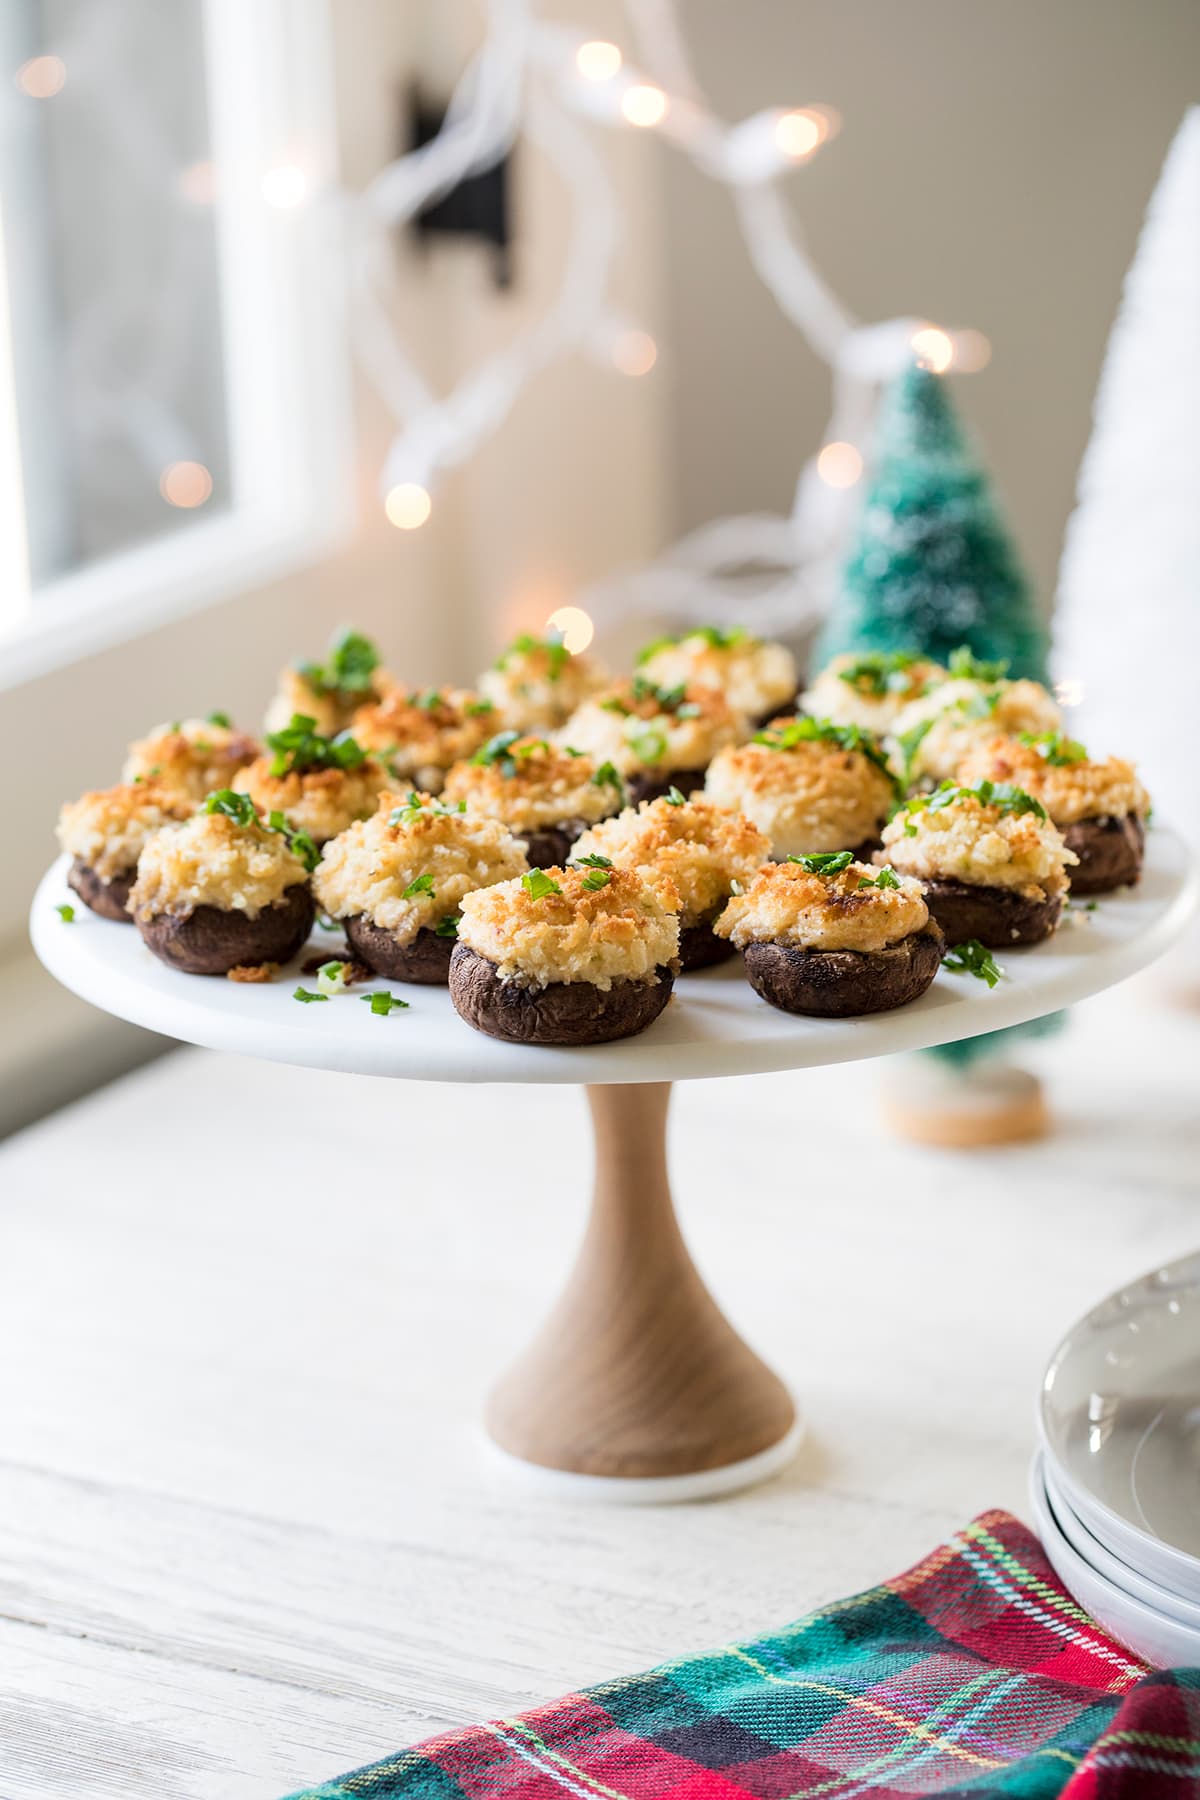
425 959
843 984
700 947
998 917
108 898
211 940
1110 853
564 1012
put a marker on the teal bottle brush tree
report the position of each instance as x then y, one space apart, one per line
932 565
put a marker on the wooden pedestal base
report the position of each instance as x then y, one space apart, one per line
637 1377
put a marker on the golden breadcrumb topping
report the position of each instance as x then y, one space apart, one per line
537 684
421 734
584 929
814 796
410 866
194 757
107 829
701 848
955 716
1069 790
983 845
531 783
636 725
756 677
787 904
852 690
331 709
214 861
319 801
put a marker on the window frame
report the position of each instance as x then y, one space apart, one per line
288 385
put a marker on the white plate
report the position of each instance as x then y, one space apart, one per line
1105 1563
1120 1420
715 1025
1152 1636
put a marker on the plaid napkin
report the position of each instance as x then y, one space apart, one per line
973 1675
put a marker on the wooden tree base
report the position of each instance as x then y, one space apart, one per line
637 1376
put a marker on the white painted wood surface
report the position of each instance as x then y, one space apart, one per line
249 1535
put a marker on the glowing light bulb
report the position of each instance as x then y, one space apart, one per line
972 351
839 465
185 484
285 187
644 104
797 134
598 60
934 348
408 505
634 352
41 77
1068 692
574 626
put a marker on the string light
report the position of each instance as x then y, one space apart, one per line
839 465
798 133
933 348
634 352
407 505
285 187
643 104
41 77
574 626
185 484
598 60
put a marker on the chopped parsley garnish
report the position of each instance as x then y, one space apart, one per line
307 995
538 884
351 662
1003 795
238 807
886 878
593 861
607 776
673 797
964 665
66 913
880 672
495 753
447 927
599 870
552 646
219 718
972 958
422 885
825 862
1055 748
794 732
717 637
383 1003
300 747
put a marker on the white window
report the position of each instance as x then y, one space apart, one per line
173 396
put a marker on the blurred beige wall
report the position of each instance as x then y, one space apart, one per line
992 170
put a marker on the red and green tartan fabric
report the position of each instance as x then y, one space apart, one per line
972 1675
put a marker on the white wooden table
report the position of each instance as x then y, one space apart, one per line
249 1535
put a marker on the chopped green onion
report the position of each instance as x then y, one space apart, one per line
348 668
538 884
331 978
607 776
382 1004
673 797
238 807
1055 748
596 878
307 995
648 746
422 885
593 861
66 913
825 862
447 927
300 747
219 718
964 665
886 878
794 732
971 958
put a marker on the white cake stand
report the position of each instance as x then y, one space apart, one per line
637 1387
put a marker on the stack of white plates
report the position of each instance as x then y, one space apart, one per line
1115 1483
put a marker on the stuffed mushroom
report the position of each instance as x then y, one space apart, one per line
224 891
331 692
757 677
193 757
422 734
655 737
565 956
834 938
319 784
993 865
105 831
1100 807
705 851
870 689
536 684
396 881
545 795
930 736
811 786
